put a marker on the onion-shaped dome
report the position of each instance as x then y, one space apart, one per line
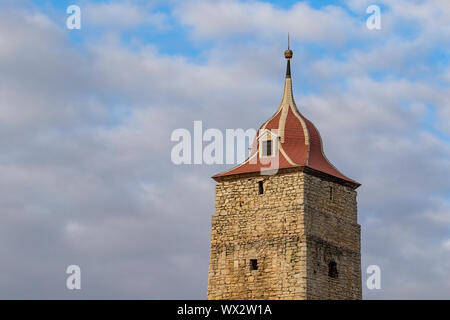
297 141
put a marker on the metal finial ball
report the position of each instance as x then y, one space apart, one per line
288 54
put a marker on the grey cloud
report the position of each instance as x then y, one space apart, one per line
87 177
233 19
124 14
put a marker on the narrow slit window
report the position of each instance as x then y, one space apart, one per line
330 191
332 270
261 187
267 148
253 264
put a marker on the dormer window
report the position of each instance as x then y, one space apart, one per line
268 143
267 149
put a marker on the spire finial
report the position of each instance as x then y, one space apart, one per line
288 55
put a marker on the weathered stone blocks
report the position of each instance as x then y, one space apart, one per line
295 229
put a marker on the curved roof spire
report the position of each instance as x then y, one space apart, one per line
288 55
299 142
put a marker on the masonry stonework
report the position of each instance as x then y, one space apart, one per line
292 234
293 230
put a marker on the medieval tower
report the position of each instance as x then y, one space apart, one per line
288 233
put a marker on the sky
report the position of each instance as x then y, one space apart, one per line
86 118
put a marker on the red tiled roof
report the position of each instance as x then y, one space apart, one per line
299 142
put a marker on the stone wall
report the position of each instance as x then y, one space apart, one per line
332 234
292 230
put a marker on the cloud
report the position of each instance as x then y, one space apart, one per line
230 18
85 164
123 15
446 245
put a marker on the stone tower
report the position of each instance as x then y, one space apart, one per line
288 233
